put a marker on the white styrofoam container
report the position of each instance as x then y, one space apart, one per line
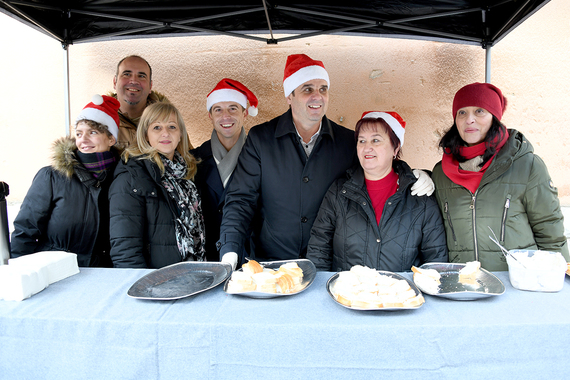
539 271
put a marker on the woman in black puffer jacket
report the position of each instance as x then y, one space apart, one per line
370 217
67 208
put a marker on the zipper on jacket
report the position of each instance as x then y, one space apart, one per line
473 217
504 220
448 216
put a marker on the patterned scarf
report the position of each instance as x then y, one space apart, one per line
190 236
226 161
466 178
97 163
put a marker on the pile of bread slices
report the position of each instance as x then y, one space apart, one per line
255 278
365 288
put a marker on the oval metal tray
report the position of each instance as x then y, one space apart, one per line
309 274
486 284
180 280
334 277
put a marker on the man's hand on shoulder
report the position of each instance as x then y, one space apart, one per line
424 185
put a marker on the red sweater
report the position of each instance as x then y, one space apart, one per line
379 192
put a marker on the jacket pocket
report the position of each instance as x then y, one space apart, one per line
448 217
504 218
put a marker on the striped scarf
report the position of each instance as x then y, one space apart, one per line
97 163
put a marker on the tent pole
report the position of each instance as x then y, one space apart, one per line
488 64
66 88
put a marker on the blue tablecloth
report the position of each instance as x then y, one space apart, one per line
86 327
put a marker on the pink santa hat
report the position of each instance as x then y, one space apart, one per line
394 120
229 90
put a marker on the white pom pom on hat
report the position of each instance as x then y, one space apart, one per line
97 99
252 111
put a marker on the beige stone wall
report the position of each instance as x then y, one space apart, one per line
415 78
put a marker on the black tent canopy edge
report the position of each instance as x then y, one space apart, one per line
481 23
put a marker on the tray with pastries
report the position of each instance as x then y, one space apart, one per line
457 281
363 288
180 280
271 279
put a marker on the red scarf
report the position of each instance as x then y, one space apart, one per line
468 179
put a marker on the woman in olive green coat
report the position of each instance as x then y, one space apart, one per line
490 177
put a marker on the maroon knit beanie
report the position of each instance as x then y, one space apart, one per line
483 95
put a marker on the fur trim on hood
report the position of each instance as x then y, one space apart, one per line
64 159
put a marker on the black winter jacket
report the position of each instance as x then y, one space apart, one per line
277 187
345 233
65 209
142 226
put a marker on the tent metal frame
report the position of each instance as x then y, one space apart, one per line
358 24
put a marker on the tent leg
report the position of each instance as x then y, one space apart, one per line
66 88
488 64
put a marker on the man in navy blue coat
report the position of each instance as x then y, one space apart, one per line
228 108
285 169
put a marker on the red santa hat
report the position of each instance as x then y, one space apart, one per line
104 110
229 90
394 120
299 69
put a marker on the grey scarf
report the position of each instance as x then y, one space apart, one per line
226 161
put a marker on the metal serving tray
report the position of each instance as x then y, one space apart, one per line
486 284
334 277
180 280
309 274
